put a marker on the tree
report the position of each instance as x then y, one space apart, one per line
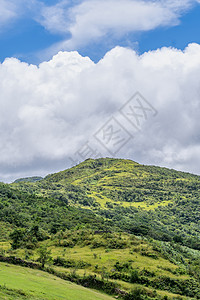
17 236
44 255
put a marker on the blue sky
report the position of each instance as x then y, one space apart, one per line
30 36
48 111
188 31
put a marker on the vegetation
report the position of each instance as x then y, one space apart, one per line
130 230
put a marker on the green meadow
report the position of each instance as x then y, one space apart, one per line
23 283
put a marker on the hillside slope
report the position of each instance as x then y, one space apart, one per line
109 224
147 200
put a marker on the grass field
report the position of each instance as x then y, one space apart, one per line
33 284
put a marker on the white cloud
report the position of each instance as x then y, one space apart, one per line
81 23
48 112
93 20
7 12
12 10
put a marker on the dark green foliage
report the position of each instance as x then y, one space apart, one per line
17 237
163 224
23 237
44 255
70 263
134 277
26 210
188 288
140 294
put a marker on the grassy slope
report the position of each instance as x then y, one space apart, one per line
42 286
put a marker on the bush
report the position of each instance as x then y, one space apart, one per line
139 294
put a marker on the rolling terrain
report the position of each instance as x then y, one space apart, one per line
114 225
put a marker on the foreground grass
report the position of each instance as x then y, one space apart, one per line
34 284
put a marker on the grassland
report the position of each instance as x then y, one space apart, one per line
23 283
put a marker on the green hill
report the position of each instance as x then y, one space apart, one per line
28 179
147 200
110 224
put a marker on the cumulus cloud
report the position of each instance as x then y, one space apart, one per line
48 112
93 20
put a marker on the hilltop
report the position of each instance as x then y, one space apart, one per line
28 179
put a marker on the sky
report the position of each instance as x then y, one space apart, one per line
98 78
